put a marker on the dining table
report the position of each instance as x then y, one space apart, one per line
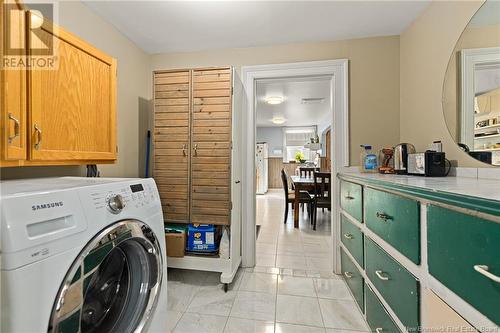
300 184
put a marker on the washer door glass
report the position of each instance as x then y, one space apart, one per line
113 286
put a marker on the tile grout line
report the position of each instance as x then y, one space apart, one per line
319 304
276 304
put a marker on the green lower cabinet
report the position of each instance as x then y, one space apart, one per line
399 287
396 220
464 254
351 199
352 238
377 316
353 278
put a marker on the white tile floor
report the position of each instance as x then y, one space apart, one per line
290 290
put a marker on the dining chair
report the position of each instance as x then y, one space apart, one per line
304 198
307 172
322 193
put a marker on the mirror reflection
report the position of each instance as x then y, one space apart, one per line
471 93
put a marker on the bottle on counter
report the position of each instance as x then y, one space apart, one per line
368 159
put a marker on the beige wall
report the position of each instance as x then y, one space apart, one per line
426 47
373 78
133 83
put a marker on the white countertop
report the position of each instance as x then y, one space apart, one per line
475 187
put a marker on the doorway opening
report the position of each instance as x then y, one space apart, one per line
335 73
293 178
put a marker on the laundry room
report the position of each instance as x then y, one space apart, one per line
249 166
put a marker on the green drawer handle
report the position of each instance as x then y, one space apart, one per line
483 269
383 216
380 276
348 275
348 236
379 330
348 197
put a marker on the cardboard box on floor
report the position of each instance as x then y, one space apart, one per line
176 244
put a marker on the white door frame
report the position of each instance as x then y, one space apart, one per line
338 70
470 59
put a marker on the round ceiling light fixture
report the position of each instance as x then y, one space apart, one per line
278 120
274 100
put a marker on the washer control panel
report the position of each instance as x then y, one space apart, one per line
115 200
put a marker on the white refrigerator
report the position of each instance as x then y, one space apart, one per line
261 165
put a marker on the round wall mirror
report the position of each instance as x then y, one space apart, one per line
471 91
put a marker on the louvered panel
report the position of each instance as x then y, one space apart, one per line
209 123
212 108
172 87
171 143
211 145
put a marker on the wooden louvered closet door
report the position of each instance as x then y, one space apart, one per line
171 143
211 146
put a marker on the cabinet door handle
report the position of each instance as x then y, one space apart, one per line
348 236
16 127
39 137
348 275
483 269
184 150
348 197
195 149
383 216
380 276
379 330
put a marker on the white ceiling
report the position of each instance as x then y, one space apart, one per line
292 109
178 26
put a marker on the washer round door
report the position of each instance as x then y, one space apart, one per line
113 285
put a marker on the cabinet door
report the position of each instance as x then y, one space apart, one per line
13 85
171 143
211 146
72 106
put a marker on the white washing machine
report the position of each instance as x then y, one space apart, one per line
82 255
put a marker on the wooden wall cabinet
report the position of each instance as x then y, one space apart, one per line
13 91
65 114
193 144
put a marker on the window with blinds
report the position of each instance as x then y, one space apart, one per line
294 139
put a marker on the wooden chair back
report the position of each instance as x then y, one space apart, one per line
284 179
307 172
322 185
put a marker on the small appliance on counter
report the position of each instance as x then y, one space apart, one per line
401 152
386 161
429 164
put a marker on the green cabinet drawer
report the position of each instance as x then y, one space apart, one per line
353 278
352 238
457 244
351 199
377 316
399 287
396 220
